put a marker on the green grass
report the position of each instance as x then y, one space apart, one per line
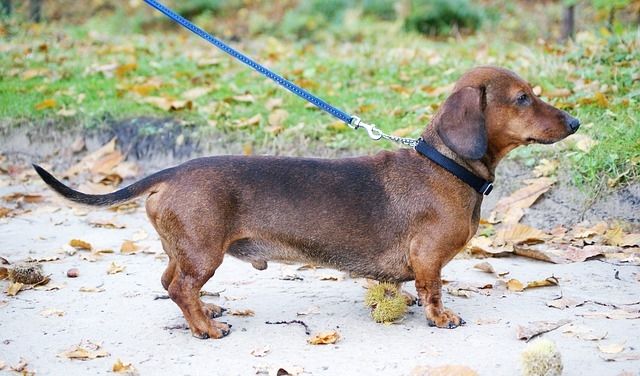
372 69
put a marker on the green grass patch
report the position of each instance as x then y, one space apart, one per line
371 68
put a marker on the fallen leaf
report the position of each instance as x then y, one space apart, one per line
80 244
485 267
4 273
551 281
168 104
261 351
14 288
273 103
324 338
21 367
546 167
86 351
481 246
286 371
456 291
243 312
309 311
129 246
196 92
115 268
246 98
331 277
630 240
23 197
519 234
561 253
598 229
584 332
91 289
120 367
89 160
2 365
510 209
565 302
52 312
515 285
107 223
536 328
445 370
611 348
621 357
254 120
615 314
46 104
277 117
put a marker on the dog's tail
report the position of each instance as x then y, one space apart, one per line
120 196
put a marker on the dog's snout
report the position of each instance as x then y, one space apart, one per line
572 123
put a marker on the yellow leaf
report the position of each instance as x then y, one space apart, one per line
551 281
254 120
79 352
123 69
80 244
515 285
14 288
195 93
324 338
247 149
242 312
337 126
277 117
120 367
546 167
115 268
45 104
129 247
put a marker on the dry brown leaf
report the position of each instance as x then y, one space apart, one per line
86 351
277 117
246 98
630 240
6 212
4 273
115 268
107 223
325 338
261 351
538 327
485 267
598 229
120 367
129 246
14 288
89 160
283 371
562 253
510 209
123 69
23 197
611 348
252 121
196 92
273 103
242 312
331 277
565 302
519 234
2 365
445 370
168 104
457 291
80 244
481 246
21 367
52 312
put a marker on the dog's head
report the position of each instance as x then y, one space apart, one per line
492 110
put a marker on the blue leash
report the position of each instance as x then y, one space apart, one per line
352 121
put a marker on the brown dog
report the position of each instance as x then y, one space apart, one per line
395 216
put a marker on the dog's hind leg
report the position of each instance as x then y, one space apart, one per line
192 270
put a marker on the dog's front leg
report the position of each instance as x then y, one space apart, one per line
427 261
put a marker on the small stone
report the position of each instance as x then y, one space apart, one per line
73 273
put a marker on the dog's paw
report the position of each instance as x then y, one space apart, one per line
216 330
446 320
212 311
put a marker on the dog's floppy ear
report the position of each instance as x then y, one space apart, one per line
461 123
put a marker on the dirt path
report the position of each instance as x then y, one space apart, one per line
130 324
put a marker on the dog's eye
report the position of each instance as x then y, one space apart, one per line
523 100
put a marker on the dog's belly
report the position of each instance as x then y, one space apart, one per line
383 266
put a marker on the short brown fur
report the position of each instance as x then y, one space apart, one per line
394 216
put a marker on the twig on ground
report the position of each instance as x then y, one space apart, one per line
306 328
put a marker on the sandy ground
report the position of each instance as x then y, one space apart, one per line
149 333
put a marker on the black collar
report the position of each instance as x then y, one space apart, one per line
481 186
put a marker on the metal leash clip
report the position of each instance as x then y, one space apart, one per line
374 133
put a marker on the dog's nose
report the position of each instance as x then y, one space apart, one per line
572 123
